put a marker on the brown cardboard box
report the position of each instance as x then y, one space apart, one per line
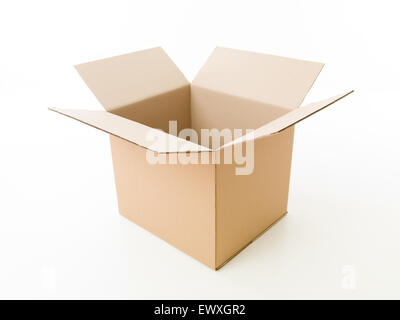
188 192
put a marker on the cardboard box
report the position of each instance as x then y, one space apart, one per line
187 192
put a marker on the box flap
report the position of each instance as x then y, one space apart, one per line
122 80
142 135
288 119
267 78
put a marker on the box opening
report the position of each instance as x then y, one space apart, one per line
200 108
144 93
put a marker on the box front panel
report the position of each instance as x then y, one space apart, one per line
246 205
175 202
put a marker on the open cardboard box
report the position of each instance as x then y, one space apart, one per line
204 208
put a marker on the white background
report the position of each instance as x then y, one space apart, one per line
60 232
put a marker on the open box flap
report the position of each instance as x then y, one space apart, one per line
122 80
267 78
288 119
142 135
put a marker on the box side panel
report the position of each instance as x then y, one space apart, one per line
157 111
246 205
174 202
213 109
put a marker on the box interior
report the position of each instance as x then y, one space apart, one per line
199 108
234 89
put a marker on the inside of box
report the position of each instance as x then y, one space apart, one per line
234 90
199 108
161 142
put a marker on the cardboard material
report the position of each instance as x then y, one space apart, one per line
203 208
289 119
174 202
121 81
246 205
131 131
274 80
